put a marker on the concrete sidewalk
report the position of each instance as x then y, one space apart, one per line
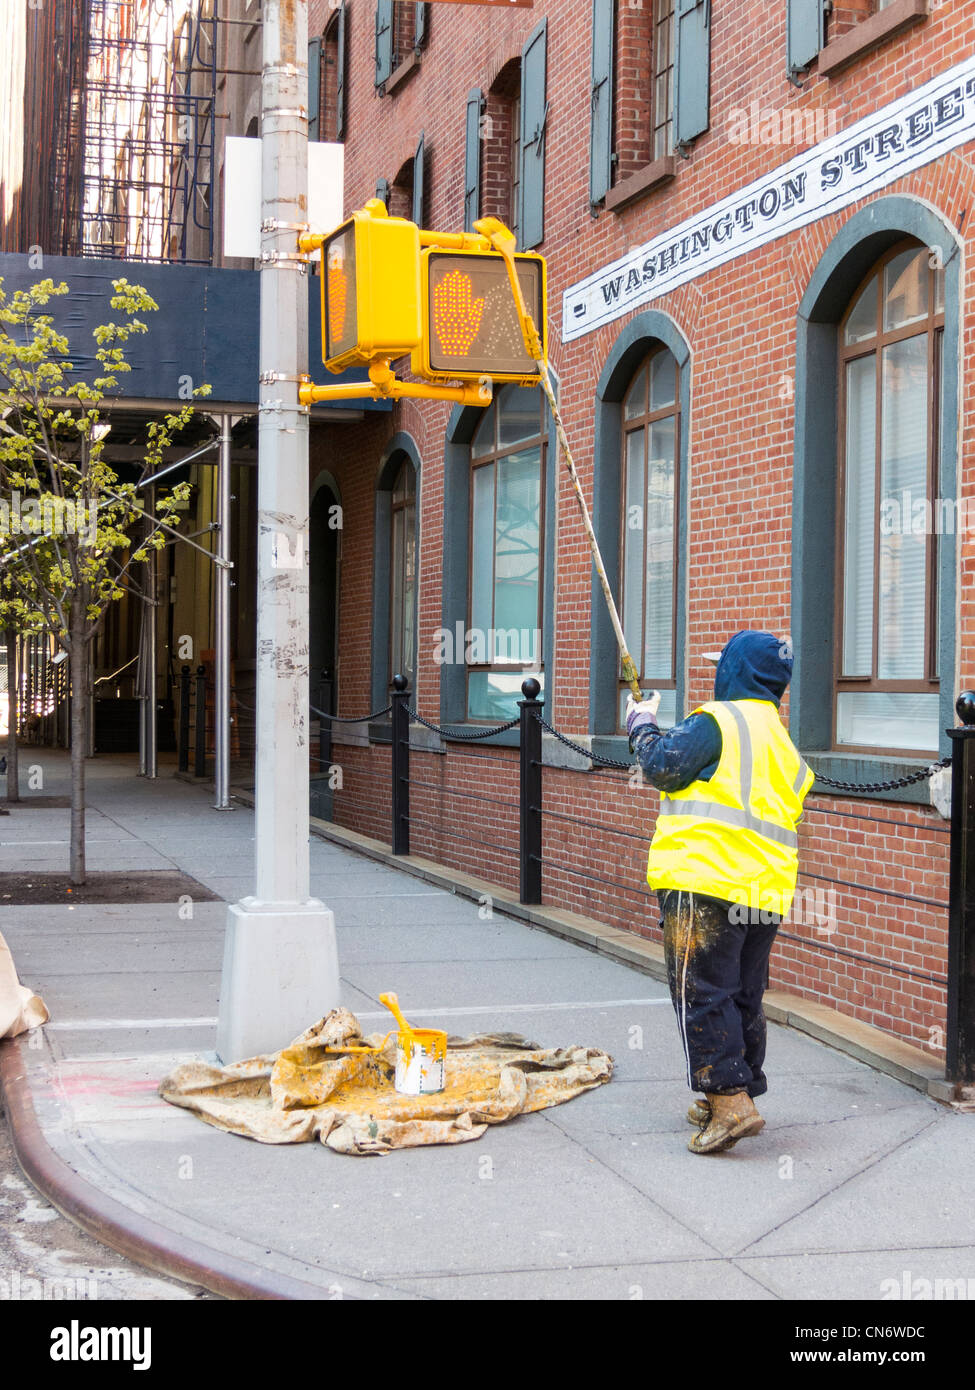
854 1182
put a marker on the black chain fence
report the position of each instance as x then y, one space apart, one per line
894 784
457 737
522 815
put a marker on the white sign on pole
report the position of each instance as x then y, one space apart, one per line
831 175
242 192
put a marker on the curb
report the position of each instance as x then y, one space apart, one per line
862 1041
139 1238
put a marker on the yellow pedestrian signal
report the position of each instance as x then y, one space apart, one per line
470 324
370 289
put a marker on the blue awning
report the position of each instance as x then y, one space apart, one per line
205 330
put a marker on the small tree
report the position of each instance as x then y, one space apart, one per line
66 548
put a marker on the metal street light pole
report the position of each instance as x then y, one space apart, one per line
280 970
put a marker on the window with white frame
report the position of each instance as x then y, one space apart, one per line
503 640
890 517
648 551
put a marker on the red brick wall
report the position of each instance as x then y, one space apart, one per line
847 14
328 119
403 30
496 148
879 858
634 104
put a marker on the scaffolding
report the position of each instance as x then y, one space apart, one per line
147 131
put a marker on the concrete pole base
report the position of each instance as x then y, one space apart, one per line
280 975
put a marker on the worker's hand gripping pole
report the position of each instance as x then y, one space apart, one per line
503 241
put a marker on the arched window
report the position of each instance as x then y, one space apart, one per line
395 570
505 577
402 574
889 516
648 549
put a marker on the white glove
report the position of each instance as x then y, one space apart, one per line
638 707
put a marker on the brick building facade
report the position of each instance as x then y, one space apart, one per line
803 381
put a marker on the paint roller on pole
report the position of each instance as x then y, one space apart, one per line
503 242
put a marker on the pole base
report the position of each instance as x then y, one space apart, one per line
280 975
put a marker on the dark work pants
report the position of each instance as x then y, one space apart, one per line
717 967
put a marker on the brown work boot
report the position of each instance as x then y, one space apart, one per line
699 1114
732 1118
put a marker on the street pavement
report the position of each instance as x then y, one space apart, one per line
854 1184
46 1258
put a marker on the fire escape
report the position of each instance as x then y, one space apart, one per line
146 127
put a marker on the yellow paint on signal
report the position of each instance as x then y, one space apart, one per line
370 289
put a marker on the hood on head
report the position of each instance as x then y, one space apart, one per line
754 666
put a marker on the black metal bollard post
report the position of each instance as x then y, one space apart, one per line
960 1041
401 766
325 725
530 787
200 759
183 737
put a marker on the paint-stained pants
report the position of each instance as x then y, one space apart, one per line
717 969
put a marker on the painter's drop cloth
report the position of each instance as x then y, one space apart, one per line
350 1104
20 1008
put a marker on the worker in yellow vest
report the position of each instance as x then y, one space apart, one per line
723 861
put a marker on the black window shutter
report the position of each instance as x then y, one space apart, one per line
805 33
384 40
382 191
420 25
692 63
340 73
472 159
419 161
314 86
534 114
601 99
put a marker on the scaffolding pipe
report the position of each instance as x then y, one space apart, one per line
221 711
148 722
151 712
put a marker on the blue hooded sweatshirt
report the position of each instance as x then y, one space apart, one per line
753 666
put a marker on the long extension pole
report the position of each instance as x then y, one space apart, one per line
503 241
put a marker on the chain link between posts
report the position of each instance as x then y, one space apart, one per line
894 785
453 735
362 719
585 752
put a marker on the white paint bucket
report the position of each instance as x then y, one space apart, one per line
420 1061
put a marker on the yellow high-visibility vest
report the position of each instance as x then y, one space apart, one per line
734 837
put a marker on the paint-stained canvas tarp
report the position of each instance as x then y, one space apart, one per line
349 1102
20 1008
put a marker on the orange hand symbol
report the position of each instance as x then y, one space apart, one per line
456 314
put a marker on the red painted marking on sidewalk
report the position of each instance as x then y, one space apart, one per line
88 1083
